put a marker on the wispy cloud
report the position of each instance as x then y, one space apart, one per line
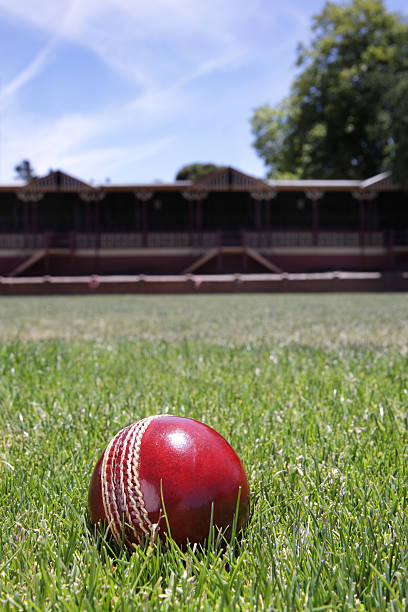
165 49
38 63
107 159
28 73
149 42
66 143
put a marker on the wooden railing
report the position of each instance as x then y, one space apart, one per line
124 240
15 241
328 239
399 238
161 240
259 240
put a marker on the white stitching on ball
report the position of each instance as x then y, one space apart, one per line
132 495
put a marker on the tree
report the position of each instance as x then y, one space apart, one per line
193 172
346 115
398 97
25 171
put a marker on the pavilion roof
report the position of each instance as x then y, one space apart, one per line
223 179
375 182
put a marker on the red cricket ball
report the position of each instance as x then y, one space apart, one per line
183 462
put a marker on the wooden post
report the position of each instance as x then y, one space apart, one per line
195 197
315 195
315 222
258 220
191 224
97 224
244 252
268 215
92 198
199 216
34 217
47 252
25 223
264 196
362 222
361 197
219 255
87 218
143 197
144 223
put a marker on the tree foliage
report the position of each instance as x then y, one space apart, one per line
347 112
193 172
24 170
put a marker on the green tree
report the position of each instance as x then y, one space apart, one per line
346 115
25 171
193 172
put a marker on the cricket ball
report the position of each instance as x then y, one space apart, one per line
168 472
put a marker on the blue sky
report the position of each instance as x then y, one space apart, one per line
132 90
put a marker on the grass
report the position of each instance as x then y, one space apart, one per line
312 392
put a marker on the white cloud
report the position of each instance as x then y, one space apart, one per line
36 65
65 143
153 43
28 73
163 48
104 161
192 37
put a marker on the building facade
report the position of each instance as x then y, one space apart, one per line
227 222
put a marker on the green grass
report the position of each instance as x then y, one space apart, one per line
312 392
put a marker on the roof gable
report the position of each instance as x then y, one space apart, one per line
229 179
57 180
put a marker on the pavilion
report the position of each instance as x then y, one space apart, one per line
227 222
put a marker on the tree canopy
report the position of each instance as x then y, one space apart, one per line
24 170
347 112
193 172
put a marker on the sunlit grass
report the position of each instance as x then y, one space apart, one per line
312 392
329 320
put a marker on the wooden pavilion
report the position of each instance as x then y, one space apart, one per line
227 222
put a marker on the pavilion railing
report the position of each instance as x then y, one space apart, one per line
324 239
399 238
14 240
203 240
181 239
278 239
161 240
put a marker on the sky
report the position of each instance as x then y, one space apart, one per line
130 91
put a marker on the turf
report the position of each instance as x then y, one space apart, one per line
312 392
